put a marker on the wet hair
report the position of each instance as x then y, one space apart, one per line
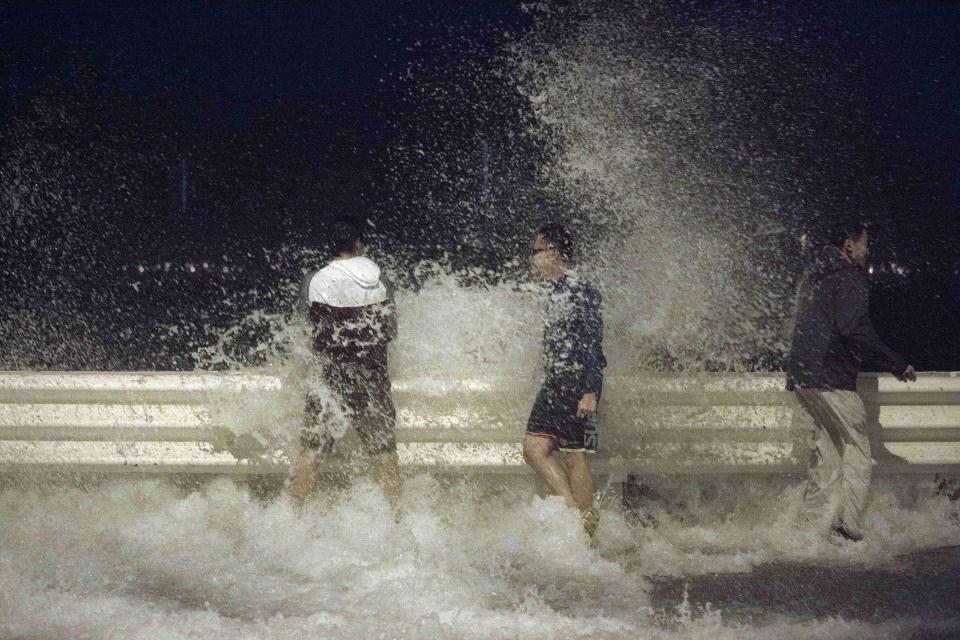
343 234
849 229
558 237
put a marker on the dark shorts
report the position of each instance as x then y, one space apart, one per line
554 416
366 398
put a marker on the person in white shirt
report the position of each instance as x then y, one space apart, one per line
354 319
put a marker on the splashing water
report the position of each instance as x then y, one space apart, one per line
470 558
140 559
686 248
689 252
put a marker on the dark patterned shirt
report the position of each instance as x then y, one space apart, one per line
573 333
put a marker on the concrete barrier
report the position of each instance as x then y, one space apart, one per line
204 422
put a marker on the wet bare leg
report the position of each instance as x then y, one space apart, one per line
386 471
303 480
578 475
538 453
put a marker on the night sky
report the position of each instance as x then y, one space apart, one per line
287 108
228 132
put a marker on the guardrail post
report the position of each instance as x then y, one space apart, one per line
635 495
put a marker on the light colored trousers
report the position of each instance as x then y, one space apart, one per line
838 478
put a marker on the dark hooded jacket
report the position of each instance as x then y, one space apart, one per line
833 332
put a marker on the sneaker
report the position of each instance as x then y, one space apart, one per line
591 520
848 533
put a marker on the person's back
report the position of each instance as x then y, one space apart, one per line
352 313
351 310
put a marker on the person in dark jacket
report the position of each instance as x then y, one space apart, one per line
351 309
832 336
562 426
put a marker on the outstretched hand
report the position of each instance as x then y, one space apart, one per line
587 404
909 374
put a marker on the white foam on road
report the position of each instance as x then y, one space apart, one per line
138 559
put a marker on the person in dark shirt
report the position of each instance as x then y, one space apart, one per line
351 310
832 336
562 426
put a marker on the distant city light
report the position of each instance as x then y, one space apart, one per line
890 267
190 267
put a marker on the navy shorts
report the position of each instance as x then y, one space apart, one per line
554 416
365 394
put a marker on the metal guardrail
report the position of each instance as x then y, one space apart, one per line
202 422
